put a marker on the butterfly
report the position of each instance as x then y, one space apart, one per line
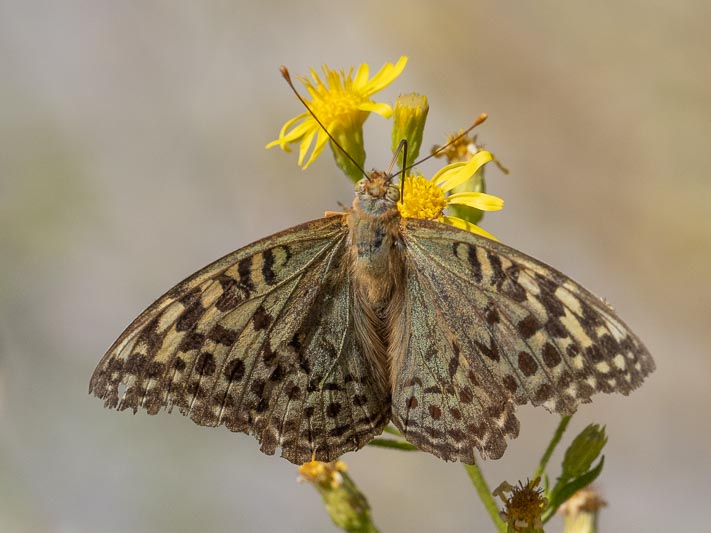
314 339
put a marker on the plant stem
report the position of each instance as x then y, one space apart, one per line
394 444
552 444
485 495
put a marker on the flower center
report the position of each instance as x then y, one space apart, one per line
422 199
336 100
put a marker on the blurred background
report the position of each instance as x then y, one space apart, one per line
132 153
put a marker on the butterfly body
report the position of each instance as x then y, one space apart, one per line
313 339
377 268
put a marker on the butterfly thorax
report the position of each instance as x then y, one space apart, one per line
374 224
377 265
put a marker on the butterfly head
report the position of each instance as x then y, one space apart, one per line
378 186
376 194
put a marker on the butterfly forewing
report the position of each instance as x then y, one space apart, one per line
257 341
492 326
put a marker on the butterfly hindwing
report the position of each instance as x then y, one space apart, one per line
445 402
256 341
511 329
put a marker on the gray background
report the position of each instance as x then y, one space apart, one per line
132 153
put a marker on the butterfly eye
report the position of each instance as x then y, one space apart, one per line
360 186
393 193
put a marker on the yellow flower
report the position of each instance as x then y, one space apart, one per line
342 102
328 475
462 149
423 198
523 509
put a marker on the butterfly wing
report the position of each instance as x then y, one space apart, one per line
490 328
257 341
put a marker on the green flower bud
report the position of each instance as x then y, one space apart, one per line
351 140
409 120
583 451
344 503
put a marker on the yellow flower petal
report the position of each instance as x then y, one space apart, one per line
304 147
385 76
382 109
478 200
282 140
321 141
443 173
460 174
361 77
463 224
298 131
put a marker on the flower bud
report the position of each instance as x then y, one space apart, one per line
409 120
583 451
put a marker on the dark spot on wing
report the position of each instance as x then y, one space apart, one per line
191 341
261 319
474 262
492 315
435 412
528 326
453 365
333 409
277 374
527 364
257 387
544 393
267 267
551 357
510 383
555 328
234 370
497 272
492 352
205 365
244 269
222 335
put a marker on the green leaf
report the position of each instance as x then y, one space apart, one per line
565 489
392 430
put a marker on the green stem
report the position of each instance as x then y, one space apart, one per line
485 495
394 444
564 420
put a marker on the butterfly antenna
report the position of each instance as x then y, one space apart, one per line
402 147
287 77
481 118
